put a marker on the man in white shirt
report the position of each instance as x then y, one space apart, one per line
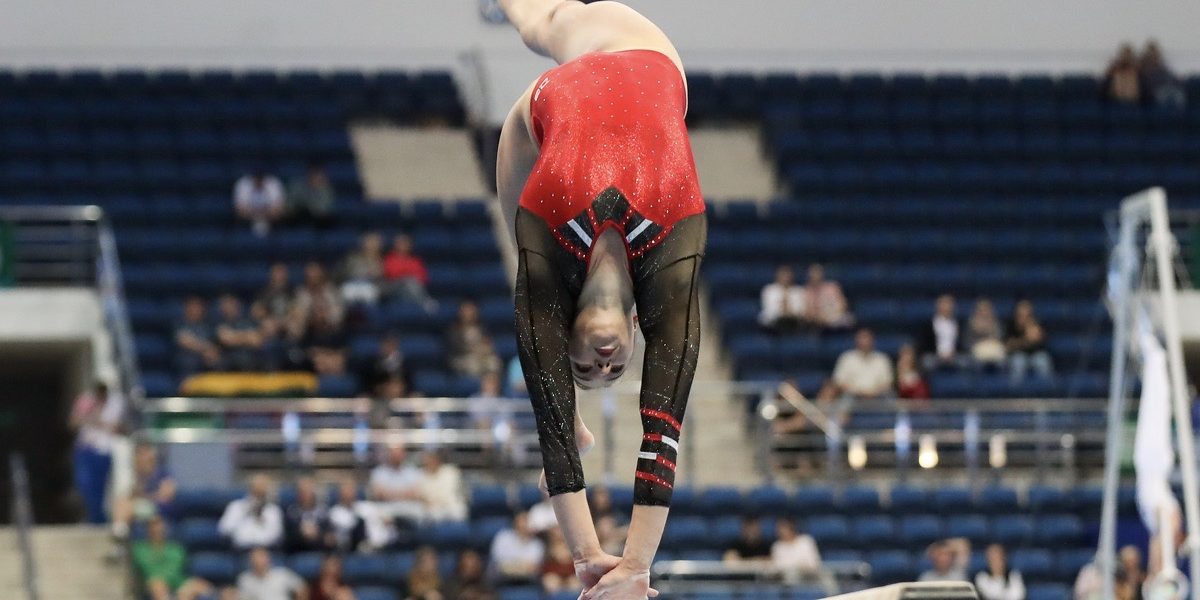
938 342
517 553
864 372
441 489
265 582
783 303
259 198
395 487
794 554
253 521
950 559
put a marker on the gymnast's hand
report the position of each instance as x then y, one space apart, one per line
623 582
591 569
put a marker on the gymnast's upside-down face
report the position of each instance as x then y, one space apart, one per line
602 343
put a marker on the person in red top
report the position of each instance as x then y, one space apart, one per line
405 275
596 177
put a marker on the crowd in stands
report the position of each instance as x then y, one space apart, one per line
818 305
1145 78
260 199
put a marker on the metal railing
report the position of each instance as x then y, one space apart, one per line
73 246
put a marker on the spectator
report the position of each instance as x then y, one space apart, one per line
276 299
152 494
517 553
305 520
405 274
910 383
329 584
424 580
541 515
558 570
362 270
325 344
783 303
239 337
316 295
600 503
998 581
347 526
253 521
1130 574
258 198
469 582
96 417
161 566
516 379
938 341
489 408
468 345
610 535
985 337
195 340
750 544
1089 583
824 303
388 363
1026 344
266 582
1158 83
441 489
395 486
861 373
310 198
949 558
793 553
1122 82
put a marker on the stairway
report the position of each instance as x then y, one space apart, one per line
70 564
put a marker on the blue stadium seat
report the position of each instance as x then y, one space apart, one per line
1059 530
890 566
908 499
720 500
765 500
521 593
920 530
1034 564
216 567
972 527
829 530
1055 591
364 569
997 499
684 533
812 499
1012 530
306 564
952 499
204 502
859 499
1045 499
489 500
874 531
200 535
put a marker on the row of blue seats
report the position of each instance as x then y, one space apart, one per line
808 177
992 114
914 213
159 149
852 501
116 176
352 214
866 243
186 83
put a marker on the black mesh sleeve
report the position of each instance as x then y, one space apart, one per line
669 315
545 308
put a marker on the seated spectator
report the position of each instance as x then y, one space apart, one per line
1130 573
441 489
984 336
310 198
347 526
161 566
938 340
517 553
240 339
258 198
862 373
949 558
824 303
998 581
405 276
558 570
262 581
195 340
316 295
516 379
783 303
276 299
1158 83
793 553
305 520
468 345
329 584
1026 344
362 270
152 494
424 579
325 344
541 515
489 408
910 383
388 363
395 486
1089 583
469 582
750 544
1122 82
253 521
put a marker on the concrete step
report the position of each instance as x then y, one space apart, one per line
70 562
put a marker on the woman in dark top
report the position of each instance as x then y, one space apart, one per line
1026 344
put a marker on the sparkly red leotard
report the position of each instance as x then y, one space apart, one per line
612 121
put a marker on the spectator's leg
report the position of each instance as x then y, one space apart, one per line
194 588
1018 365
122 516
91 479
1042 365
157 589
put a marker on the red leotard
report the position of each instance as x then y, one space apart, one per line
612 121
